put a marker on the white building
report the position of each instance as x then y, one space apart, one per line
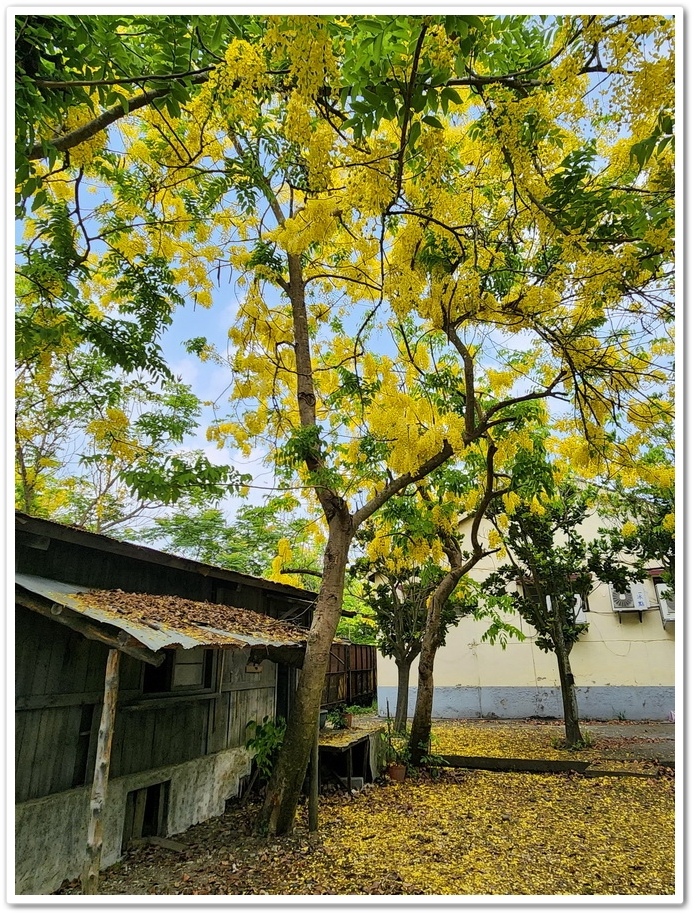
623 665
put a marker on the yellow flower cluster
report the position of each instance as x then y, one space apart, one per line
501 380
231 96
535 507
319 156
494 539
83 154
306 42
369 186
511 501
111 432
439 48
315 222
298 120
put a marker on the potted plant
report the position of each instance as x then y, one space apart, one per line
397 757
396 753
338 717
352 712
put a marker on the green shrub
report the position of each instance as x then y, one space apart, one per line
265 742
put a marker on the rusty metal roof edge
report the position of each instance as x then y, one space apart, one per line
164 637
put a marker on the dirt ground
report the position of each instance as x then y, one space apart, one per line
223 856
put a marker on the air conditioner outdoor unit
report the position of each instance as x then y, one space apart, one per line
580 609
635 599
667 608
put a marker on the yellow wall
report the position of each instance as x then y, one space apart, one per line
626 653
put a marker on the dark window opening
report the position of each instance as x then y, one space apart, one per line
146 813
159 679
183 670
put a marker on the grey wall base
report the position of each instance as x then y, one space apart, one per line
51 832
634 703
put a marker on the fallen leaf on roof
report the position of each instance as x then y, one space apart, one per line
179 613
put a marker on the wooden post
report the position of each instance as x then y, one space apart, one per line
314 783
95 830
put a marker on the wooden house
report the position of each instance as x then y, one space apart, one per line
148 664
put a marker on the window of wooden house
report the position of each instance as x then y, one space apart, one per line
183 671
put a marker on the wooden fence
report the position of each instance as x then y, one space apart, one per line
351 678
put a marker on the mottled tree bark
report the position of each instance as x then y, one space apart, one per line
403 666
283 792
567 682
422 715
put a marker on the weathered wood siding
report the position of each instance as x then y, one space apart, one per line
59 693
351 678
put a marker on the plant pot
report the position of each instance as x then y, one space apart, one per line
349 720
396 772
323 713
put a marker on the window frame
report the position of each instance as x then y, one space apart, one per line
156 683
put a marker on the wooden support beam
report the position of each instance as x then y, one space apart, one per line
100 783
286 655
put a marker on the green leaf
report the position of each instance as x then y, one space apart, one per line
433 122
451 95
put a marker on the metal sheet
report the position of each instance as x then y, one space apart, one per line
153 637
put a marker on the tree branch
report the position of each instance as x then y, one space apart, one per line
63 142
400 483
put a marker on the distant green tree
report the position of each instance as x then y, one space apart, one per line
548 556
642 514
100 449
247 542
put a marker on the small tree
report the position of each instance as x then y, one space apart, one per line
399 600
548 556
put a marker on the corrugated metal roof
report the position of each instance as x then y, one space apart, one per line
156 634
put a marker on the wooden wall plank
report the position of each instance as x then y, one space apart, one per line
50 726
65 763
118 748
24 753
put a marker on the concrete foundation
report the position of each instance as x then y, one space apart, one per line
51 832
633 703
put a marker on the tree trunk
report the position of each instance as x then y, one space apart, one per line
95 830
565 675
313 804
403 667
419 743
282 795
422 715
